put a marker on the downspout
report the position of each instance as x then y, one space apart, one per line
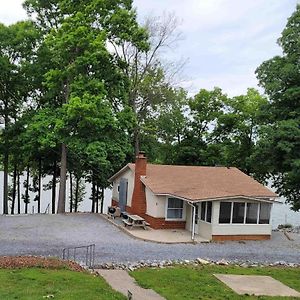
193 220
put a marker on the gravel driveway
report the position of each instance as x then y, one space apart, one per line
47 235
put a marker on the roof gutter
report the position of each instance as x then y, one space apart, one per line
193 220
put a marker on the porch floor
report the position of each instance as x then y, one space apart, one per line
168 236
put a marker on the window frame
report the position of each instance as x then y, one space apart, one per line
167 207
245 213
205 213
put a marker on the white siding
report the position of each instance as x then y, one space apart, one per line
155 204
205 229
129 175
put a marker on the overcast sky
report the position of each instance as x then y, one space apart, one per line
224 40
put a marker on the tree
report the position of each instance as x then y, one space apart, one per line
150 75
279 145
204 110
83 70
16 50
237 129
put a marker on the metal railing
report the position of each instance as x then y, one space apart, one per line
82 255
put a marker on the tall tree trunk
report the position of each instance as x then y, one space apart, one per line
27 191
136 136
19 193
71 192
102 200
97 199
14 190
54 187
40 186
63 181
93 196
61 205
5 166
77 193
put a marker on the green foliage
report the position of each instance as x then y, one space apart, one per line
279 146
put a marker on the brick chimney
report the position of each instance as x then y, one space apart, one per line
138 202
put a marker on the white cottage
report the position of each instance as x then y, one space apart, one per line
218 203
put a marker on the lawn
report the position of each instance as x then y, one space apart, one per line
34 283
177 283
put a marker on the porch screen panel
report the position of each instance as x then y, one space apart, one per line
208 214
238 212
264 213
225 212
203 209
251 216
175 208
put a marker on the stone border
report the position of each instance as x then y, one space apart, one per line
196 262
103 216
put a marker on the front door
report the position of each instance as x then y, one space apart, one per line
123 187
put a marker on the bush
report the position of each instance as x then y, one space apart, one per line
285 226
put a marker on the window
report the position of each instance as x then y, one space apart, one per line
203 209
264 213
196 214
175 208
251 216
238 213
225 212
206 211
244 213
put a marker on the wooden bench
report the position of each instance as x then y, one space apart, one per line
135 221
127 223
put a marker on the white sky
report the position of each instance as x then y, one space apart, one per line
225 40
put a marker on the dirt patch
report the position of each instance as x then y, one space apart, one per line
16 262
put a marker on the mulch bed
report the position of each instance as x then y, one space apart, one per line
17 262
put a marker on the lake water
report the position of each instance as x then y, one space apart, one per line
281 213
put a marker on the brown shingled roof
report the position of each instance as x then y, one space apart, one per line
199 183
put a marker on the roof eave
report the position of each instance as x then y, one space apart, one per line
260 198
112 178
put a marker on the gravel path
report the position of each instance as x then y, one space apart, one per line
47 235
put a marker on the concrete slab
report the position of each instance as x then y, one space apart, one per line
257 285
120 281
169 236
166 236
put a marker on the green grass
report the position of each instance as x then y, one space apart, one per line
177 283
34 283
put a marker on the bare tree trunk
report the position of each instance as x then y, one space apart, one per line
5 166
54 187
27 191
71 192
63 181
102 200
14 190
77 193
97 199
136 136
93 196
19 193
5 183
40 186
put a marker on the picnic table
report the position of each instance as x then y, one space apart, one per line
135 221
